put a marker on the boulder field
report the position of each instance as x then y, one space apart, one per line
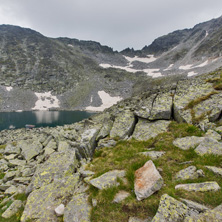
49 165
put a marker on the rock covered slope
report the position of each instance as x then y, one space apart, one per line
78 71
59 174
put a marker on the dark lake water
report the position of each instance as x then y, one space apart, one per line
40 118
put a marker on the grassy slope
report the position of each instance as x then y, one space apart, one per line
125 156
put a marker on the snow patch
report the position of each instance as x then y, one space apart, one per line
9 88
70 45
207 33
202 64
191 74
46 101
148 59
19 111
169 67
186 67
153 72
107 101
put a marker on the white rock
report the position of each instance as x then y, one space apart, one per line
60 210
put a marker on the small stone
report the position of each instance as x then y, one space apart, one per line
199 187
10 157
106 143
215 170
63 146
94 202
10 149
212 134
153 154
188 142
17 162
13 209
9 175
60 210
147 181
120 196
190 172
49 151
108 179
11 190
136 219
209 146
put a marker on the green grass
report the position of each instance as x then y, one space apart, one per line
17 216
125 156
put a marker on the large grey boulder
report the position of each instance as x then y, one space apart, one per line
188 142
42 202
30 148
78 209
147 181
213 134
190 172
199 187
108 179
123 125
209 146
170 210
187 91
120 196
145 129
58 166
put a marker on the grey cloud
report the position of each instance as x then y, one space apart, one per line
117 23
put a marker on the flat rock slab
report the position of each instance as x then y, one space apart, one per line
147 181
196 206
170 210
145 129
188 142
13 209
213 134
153 154
10 149
42 202
108 179
216 170
120 196
30 148
190 172
209 146
78 209
123 125
56 167
199 187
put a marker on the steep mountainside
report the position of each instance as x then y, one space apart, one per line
79 72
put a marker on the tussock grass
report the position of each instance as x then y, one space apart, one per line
125 156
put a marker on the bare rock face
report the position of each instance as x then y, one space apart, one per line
147 181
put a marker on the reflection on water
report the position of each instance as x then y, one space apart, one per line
10 120
47 117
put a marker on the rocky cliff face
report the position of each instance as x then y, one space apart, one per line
56 166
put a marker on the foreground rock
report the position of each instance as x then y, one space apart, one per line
216 170
42 202
78 209
170 210
199 187
209 146
147 181
123 125
188 142
190 172
153 154
145 129
13 209
108 179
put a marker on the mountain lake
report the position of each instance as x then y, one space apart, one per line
15 120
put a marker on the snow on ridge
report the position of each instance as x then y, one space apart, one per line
186 67
169 67
202 64
148 59
9 88
107 101
46 101
192 73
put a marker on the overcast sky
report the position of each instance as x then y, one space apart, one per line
116 23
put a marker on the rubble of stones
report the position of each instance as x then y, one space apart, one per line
48 164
